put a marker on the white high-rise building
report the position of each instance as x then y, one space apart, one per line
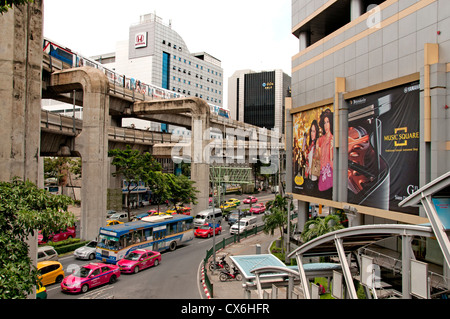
156 54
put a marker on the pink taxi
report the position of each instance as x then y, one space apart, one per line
139 259
90 276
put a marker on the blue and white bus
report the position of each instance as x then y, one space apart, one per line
157 233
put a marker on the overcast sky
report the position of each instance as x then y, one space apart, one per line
243 34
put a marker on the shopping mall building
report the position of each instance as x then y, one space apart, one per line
370 105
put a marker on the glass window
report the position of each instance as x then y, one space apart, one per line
166 70
96 272
105 269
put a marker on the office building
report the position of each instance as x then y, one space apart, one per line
156 54
258 98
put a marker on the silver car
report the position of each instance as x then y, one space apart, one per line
87 251
47 253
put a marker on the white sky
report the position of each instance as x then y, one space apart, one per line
243 34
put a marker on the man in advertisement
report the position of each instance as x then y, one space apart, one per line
383 147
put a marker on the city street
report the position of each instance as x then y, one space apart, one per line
177 277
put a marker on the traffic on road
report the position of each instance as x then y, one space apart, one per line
146 272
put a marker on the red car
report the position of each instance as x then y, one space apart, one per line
206 230
90 276
250 199
62 235
139 259
258 209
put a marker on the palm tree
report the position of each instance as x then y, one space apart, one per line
277 218
319 226
279 202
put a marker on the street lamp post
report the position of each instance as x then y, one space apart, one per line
288 241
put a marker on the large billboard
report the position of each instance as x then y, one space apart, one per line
313 152
383 147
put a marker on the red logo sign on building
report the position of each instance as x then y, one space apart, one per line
140 40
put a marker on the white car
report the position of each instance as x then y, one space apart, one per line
87 251
47 253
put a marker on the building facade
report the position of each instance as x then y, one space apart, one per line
258 98
156 54
370 96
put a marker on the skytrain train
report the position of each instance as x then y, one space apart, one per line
73 59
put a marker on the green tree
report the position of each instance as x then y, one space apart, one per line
278 216
24 209
320 226
182 189
134 167
277 219
159 187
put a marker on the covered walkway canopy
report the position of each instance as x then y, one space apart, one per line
265 269
435 199
341 243
350 240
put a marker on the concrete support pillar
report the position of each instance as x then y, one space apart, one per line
303 41
20 91
114 197
20 96
92 143
288 147
407 254
302 217
199 164
342 151
356 9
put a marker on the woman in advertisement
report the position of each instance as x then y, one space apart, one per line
325 148
312 158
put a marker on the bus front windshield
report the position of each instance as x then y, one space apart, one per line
108 242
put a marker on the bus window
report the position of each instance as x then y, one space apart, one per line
148 233
172 228
137 236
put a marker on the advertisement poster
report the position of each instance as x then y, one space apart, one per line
383 148
313 152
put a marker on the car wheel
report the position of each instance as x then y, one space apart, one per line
156 263
84 288
92 256
113 279
136 269
209 235
59 279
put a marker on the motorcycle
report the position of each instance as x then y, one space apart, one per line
224 275
220 264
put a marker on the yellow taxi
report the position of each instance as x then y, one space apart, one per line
113 222
235 201
50 272
178 209
231 203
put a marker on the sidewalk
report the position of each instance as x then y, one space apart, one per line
233 289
